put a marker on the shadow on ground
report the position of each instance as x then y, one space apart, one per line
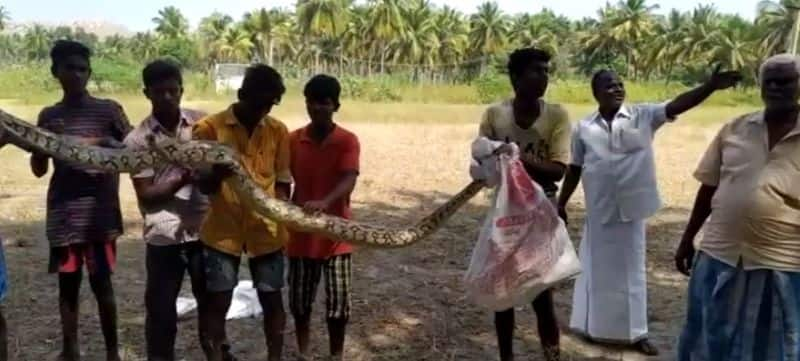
408 303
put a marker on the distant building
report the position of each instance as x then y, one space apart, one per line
228 76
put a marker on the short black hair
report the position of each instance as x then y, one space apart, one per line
323 86
160 70
521 58
598 75
261 77
63 49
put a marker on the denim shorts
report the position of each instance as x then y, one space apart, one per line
222 270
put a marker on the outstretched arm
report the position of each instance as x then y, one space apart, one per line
692 98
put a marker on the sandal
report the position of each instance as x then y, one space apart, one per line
647 348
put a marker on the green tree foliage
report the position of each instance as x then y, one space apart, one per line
425 43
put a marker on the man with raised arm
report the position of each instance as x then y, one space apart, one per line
612 154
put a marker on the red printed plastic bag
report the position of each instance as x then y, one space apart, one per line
523 247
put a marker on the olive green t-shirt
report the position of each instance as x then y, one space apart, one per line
548 138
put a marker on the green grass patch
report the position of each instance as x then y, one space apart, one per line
32 83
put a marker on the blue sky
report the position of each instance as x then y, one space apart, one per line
137 14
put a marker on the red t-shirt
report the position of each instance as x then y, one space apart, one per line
317 168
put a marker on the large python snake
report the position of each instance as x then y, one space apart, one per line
197 154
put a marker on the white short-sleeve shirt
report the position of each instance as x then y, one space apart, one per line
619 178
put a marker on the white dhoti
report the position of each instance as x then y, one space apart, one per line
609 303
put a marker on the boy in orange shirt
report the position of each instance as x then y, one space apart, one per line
325 165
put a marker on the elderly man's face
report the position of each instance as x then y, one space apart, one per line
780 86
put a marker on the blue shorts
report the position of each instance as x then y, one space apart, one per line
222 271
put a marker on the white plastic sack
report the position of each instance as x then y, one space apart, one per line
484 163
523 247
185 305
245 302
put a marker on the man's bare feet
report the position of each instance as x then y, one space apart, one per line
226 353
63 356
552 353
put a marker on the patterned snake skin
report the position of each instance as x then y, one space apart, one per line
203 154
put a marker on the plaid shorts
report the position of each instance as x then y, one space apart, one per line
304 277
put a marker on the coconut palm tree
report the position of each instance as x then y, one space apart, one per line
320 21
452 34
489 28
779 17
418 43
631 24
37 41
322 17
144 46
736 46
113 46
170 23
236 45
664 49
598 45
212 31
386 23
527 30
698 34
4 17
358 44
266 27
212 27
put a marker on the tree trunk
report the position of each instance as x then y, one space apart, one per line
316 60
271 54
669 72
383 61
341 65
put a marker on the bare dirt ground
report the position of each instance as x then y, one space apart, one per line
408 303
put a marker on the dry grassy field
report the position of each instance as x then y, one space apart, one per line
408 303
